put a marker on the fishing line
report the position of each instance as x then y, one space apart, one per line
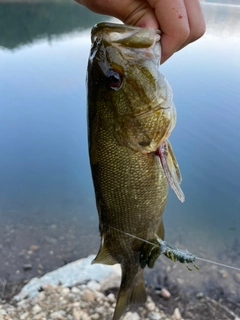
218 263
154 244
131 235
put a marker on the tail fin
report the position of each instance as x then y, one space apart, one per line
134 293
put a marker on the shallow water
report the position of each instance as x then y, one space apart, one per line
46 193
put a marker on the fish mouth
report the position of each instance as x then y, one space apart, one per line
129 36
152 110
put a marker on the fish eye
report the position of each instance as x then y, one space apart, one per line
114 79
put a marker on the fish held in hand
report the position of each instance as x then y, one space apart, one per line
130 114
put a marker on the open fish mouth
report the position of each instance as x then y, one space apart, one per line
126 35
144 40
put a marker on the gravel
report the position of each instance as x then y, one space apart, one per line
81 291
80 302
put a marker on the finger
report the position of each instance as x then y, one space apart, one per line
132 12
195 20
173 22
142 15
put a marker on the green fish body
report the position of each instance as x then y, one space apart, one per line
130 114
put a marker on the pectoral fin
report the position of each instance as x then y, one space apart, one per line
149 253
171 168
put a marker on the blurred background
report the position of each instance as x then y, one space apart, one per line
47 206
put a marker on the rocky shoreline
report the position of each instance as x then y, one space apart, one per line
67 293
81 291
81 302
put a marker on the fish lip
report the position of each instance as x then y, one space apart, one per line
116 27
126 35
153 109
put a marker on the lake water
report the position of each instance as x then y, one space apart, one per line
46 192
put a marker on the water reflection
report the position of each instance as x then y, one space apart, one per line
205 78
222 19
45 176
23 22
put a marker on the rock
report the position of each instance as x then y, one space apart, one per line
27 266
24 316
111 310
237 277
106 304
180 281
223 273
131 316
165 293
113 280
58 315
93 285
199 295
65 291
41 296
111 297
71 274
151 306
3 312
23 305
95 316
100 310
76 290
74 305
40 316
168 269
177 314
154 316
36 309
88 295
1 315
49 287
33 248
82 316
99 295
76 314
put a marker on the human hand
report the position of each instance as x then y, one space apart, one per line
181 21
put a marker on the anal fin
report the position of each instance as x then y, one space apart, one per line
104 256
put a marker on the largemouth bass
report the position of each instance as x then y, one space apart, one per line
130 117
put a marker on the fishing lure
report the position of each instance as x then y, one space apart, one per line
154 248
176 254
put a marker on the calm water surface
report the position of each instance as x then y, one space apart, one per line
44 170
